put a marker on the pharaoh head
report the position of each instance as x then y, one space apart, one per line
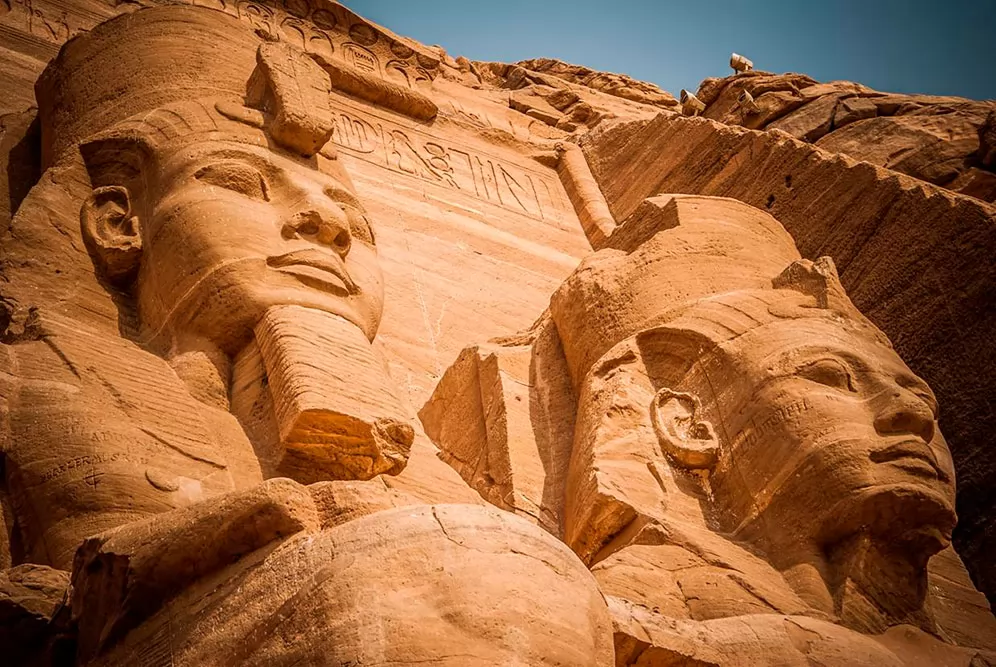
804 418
216 194
214 232
710 348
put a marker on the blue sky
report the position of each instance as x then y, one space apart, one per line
940 47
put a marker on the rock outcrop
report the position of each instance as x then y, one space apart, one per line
618 85
941 140
569 97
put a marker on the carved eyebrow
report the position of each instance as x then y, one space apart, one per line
791 360
906 379
258 161
266 164
274 172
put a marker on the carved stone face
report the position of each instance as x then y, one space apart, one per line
826 430
233 229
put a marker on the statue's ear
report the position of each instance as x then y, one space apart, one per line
682 433
111 232
117 163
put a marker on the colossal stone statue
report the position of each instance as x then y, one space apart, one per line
194 286
203 235
258 232
753 474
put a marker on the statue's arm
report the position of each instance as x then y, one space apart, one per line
123 576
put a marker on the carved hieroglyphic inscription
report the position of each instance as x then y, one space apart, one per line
89 462
330 31
320 30
51 21
436 160
361 58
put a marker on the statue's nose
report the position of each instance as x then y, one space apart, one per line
905 412
322 223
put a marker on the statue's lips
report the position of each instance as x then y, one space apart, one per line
910 450
314 265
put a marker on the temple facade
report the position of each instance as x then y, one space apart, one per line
321 346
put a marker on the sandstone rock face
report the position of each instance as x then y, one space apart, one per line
571 98
321 346
940 140
618 85
34 615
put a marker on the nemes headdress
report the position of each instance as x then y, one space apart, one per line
692 273
178 74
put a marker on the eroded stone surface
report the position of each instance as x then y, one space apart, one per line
933 138
244 242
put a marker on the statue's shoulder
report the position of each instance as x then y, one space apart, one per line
689 572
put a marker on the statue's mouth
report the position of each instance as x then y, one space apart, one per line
914 456
316 268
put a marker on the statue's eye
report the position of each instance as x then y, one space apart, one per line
235 176
829 372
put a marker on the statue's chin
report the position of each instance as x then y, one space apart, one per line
908 516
